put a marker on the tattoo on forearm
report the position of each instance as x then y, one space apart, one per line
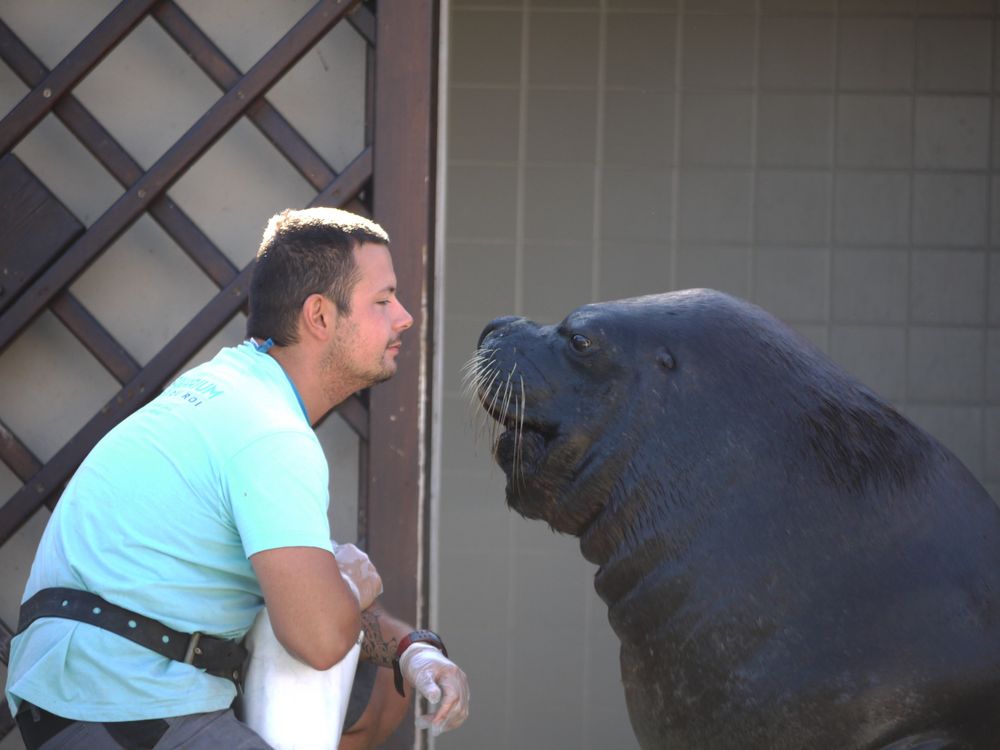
375 647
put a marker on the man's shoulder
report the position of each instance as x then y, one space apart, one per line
238 383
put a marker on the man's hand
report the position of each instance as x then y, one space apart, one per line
441 682
359 572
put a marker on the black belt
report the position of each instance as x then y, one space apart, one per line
217 656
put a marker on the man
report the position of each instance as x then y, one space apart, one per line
210 502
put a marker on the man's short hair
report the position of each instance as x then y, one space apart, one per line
303 253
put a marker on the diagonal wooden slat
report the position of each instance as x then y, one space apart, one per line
119 163
17 455
43 485
94 337
36 227
5 637
348 183
80 61
355 413
6 720
261 113
19 459
363 21
285 53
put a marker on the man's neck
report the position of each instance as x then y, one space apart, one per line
307 375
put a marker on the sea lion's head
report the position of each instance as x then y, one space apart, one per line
565 401
670 404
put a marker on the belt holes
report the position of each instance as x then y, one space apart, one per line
131 623
166 639
96 610
65 603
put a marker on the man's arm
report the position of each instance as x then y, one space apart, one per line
382 636
313 611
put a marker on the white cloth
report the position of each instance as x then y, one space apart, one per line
289 704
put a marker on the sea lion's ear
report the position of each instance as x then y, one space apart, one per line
665 359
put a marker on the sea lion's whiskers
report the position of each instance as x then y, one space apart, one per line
485 422
519 438
509 392
478 370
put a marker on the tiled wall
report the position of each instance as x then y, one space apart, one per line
831 161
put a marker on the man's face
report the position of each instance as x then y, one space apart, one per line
367 340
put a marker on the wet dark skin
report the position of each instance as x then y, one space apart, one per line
787 561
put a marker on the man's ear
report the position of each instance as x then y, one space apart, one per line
318 317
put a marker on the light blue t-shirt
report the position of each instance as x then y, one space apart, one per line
161 519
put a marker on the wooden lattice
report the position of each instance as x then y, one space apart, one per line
54 249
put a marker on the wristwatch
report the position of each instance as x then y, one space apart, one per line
417 636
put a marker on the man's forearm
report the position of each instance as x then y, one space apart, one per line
382 636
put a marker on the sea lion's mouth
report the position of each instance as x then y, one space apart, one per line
519 452
521 439
523 443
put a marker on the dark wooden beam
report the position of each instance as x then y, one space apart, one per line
261 113
5 638
7 723
403 202
219 118
94 337
354 412
17 455
348 183
119 163
363 21
80 61
35 227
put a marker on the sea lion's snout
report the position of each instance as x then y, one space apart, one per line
493 325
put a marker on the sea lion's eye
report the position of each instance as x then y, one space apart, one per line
580 343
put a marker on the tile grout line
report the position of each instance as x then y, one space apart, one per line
832 172
597 219
675 175
752 252
911 217
985 338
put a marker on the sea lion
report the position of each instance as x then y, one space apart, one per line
787 561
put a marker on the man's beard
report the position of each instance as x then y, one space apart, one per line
333 365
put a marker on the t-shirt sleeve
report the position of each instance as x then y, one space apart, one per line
278 493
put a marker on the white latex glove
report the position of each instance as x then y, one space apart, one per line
441 682
359 572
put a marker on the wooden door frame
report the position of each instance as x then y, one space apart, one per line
398 472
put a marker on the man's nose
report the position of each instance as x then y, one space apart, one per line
405 319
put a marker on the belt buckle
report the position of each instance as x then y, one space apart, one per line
193 649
